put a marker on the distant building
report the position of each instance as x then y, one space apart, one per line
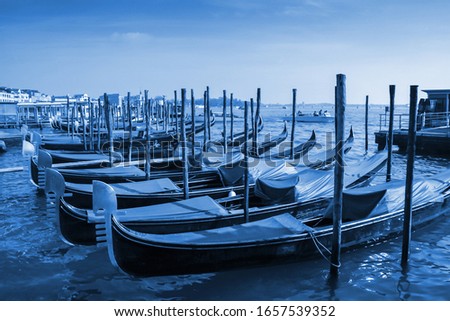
63 99
6 96
113 99
81 98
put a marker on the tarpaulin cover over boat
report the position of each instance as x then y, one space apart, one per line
389 197
285 183
203 206
143 187
118 171
273 228
232 173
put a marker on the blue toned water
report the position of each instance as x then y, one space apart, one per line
36 265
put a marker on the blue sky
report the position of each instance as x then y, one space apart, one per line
77 46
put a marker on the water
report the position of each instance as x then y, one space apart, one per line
36 265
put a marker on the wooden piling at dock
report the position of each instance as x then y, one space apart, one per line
367 124
108 114
208 116
147 135
130 130
91 125
184 146
246 177
224 109
390 137
193 124
231 118
411 152
338 174
255 121
294 113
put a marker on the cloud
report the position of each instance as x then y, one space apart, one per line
133 37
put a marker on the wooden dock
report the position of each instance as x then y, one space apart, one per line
430 141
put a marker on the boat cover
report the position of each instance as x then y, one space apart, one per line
74 156
160 185
216 159
311 183
232 174
278 184
205 206
371 201
116 171
271 229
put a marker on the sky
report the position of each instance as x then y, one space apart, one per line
97 46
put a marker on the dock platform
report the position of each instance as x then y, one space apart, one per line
429 141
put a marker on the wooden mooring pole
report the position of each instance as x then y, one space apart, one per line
367 124
225 147
231 118
338 174
411 152
294 111
91 124
246 178
147 135
390 136
193 124
208 116
183 146
255 124
130 128
108 116
205 122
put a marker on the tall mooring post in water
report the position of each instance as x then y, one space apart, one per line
411 153
367 124
147 135
108 116
255 124
91 124
390 137
224 111
246 178
294 111
338 173
193 124
231 118
184 154
130 128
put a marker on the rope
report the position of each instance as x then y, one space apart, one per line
318 245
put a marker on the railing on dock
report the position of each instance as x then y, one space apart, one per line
424 120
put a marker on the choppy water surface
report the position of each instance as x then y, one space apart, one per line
36 265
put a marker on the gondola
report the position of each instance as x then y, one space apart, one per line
263 147
75 142
371 214
77 225
240 138
298 151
